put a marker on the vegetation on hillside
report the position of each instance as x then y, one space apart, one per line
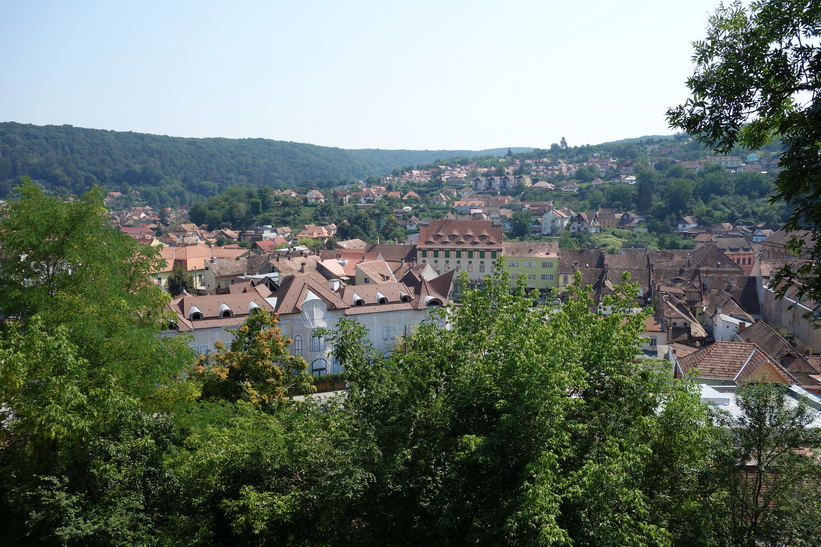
171 171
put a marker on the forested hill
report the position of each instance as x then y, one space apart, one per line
173 170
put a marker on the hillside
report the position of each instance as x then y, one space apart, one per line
174 170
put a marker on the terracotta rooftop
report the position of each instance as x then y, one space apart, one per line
461 234
733 361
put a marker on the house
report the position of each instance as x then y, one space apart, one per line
805 369
192 259
608 217
376 272
472 246
219 273
723 316
654 339
686 223
738 249
317 233
555 220
314 196
585 223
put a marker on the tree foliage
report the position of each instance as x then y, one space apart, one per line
757 77
257 368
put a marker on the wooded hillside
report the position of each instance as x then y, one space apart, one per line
174 171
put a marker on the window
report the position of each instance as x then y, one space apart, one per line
447 254
548 264
319 367
470 254
482 268
529 264
388 333
458 254
470 268
493 254
481 254
435 254
512 264
547 277
564 279
296 346
531 277
424 254
653 341
199 277
317 343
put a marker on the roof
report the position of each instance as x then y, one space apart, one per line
460 234
378 271
776 346
733 361
543 249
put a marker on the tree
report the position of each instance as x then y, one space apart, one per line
522 224
257 368
179 280
501 422
563 144
769 476
756 79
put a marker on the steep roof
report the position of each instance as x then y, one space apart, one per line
733 361
461 234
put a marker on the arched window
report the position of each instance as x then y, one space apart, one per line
296 346
319 367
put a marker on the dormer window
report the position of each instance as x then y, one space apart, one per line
194 314
381 298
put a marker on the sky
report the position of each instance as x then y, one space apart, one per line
420 75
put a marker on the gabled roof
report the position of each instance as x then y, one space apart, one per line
777 347
719 299
294 289
376 271
733 361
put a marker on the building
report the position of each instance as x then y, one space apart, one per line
304 304
536 261
471 246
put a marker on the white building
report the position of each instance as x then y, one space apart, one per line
304 304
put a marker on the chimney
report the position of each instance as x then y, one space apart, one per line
741 327
808 351
302 268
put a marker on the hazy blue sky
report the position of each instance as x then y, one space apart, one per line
358 74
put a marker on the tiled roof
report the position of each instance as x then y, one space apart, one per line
733 361
546 249
461 234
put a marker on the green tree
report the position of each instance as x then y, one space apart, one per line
85 374
757 78
500 422
257 368
769 476
179 280
521 223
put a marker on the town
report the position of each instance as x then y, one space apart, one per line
708 302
